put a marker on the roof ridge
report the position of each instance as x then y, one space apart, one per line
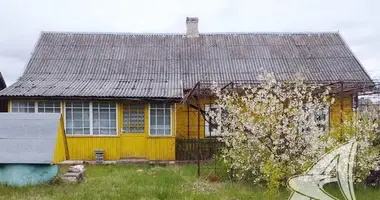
183 34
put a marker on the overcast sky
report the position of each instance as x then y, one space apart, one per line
21 21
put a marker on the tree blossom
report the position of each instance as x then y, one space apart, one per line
273 130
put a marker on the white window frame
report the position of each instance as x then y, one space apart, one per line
36 107
12 102
35 103
207 125
171 123
91 121
109 119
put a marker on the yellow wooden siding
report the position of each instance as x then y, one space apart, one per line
61 152
335 110
183 124
161 148
133 146
82 148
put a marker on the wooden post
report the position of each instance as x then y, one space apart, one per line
199 131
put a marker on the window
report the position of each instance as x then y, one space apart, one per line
133 118
23 106
321 117
77 118
49 106
104 118
87 118
36 106
209 128
160 119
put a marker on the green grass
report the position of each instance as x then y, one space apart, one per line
148 182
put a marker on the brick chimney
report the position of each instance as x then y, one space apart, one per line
192 27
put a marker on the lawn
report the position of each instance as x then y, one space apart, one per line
149 182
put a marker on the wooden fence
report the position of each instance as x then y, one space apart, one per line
187 149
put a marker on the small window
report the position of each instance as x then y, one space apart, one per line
133 118
77 118
210 128
49 106
23 106
104 118
160 119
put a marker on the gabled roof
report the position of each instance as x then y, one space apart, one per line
163 65
28 138
2 82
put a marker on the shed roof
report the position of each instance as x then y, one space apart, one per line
163 65
28 138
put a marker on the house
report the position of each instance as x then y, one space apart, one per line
129 94
30 146
3 102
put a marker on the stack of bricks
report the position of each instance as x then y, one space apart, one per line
99 156
75 173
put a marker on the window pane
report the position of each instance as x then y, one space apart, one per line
152 121
113 131
160 112
69 131
160 121
160 131
167 120
86 131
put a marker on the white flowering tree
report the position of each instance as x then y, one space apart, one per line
274 130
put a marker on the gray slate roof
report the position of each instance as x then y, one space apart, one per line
28 138
154 65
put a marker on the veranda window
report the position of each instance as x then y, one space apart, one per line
104 118
133 118
78 118
36 106
160 119
87 118
23 107
49 106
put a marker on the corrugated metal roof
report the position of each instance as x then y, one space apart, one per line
28 138
154 65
